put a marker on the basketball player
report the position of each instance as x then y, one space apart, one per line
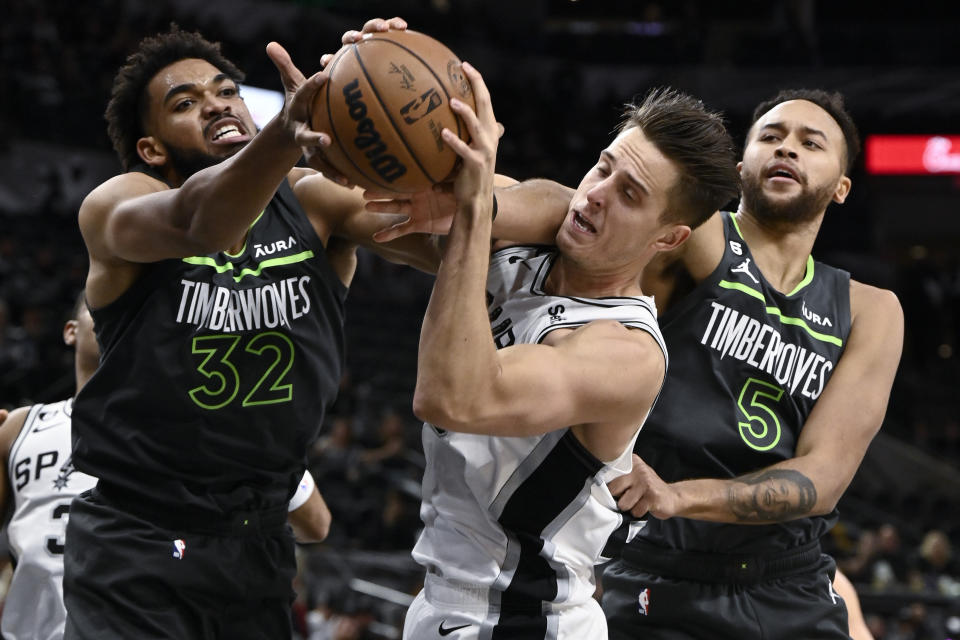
524 428
219 312
37 470
38 474
787 370
782 372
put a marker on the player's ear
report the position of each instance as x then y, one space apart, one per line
842 190
672 237
70 332
151 151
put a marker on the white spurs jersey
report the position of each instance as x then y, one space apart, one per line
524 518
43 481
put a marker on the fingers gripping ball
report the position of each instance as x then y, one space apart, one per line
384 105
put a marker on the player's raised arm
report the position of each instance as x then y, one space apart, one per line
195 115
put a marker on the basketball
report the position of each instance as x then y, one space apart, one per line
384 105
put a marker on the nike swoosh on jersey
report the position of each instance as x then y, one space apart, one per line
449 630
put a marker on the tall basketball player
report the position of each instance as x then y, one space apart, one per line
537 368
220 316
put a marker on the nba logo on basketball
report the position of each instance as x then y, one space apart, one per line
644 601
179 549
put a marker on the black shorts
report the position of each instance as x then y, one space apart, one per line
125 577
803 605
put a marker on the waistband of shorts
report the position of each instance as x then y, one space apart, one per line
721 567
441 592
234 524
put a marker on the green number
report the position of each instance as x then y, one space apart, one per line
223 379
222 373
757 432
282 349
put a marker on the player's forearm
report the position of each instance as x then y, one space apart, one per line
531 211
219 203
775 494
457 358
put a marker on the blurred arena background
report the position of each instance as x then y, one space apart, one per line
558 71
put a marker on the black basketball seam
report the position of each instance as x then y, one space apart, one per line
343 147
387 111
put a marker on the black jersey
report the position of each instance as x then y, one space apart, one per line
747 365
215 372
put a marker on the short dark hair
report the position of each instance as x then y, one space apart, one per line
697 141
127 108
829 101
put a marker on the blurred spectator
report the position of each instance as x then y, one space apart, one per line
934 568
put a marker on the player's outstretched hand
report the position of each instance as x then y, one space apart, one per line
299 93
474 182
375 25
642 491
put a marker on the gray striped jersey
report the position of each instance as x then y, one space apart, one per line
42 481
524 517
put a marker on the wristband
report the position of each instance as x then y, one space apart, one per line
303 492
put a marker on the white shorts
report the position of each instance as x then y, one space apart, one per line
461 612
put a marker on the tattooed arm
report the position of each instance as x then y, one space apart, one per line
832 442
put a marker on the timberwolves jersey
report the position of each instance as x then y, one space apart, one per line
524 517
748 365
215 372
43 482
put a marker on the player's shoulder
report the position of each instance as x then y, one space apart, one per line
11 428
866 298
117 189
618 340
874 309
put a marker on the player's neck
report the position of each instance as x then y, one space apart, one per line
83 374
568 278
779 250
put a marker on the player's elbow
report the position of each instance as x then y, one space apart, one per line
444 410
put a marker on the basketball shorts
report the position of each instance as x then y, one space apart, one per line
460 612
126 577
642 604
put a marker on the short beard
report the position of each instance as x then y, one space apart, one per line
186 162
801 208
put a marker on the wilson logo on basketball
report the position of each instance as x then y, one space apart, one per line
368 139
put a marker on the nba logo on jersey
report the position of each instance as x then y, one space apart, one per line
179 549
644 600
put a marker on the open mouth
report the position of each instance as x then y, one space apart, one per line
226 131
582 223
782 171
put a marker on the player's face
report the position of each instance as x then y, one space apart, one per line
793 164
196 116
615 214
